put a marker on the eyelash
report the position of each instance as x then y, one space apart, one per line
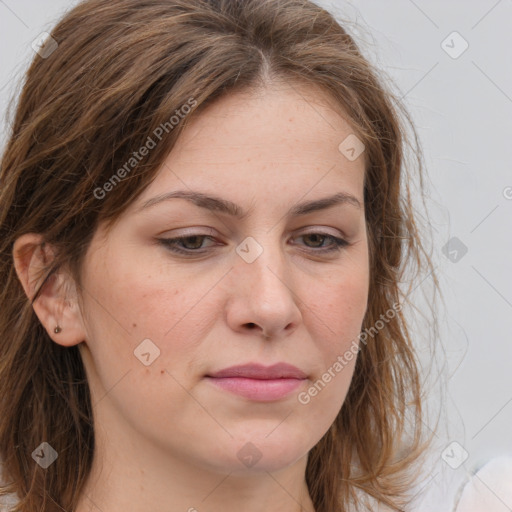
171 244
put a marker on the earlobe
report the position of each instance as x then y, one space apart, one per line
57 311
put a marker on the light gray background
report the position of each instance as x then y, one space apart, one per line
462 108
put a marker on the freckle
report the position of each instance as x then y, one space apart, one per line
162 371
134 325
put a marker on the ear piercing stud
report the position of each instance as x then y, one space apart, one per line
57 330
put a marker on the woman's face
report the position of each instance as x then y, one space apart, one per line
158 323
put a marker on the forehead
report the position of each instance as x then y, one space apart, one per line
282 136
274 116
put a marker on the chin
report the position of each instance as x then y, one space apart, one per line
261 452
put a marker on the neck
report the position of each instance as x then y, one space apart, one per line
129 473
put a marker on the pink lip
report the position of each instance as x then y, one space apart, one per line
257 382
258 371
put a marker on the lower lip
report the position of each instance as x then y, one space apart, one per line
261 390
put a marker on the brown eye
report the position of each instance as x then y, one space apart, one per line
318 239
195 239
181 245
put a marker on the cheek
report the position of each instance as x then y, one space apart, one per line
171 309
344 310
339 309
341 304
135 298
142 305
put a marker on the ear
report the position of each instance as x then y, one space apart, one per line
57 304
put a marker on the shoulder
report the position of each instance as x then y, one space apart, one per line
489 489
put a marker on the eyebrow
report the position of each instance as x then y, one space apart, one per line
218 204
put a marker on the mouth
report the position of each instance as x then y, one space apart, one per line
257 382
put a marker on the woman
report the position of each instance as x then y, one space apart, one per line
204 223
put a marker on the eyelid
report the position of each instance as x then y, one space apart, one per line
194 231
207 231
338 243
322 230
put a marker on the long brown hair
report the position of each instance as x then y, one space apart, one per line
113 72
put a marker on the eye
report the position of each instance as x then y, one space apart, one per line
191 245
176 244
318 238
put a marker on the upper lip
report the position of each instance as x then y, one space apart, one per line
258 371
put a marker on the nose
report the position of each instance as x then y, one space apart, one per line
262 296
